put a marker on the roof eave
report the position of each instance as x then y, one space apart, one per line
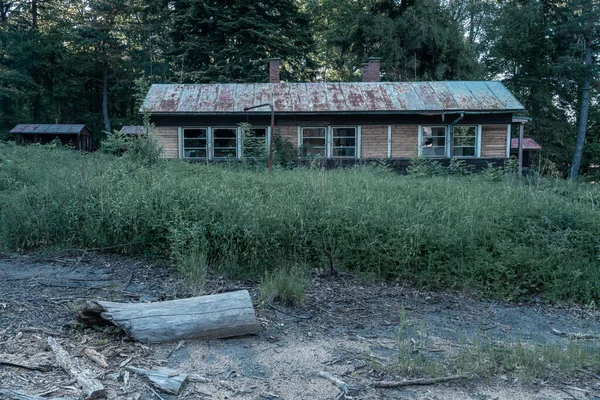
418 112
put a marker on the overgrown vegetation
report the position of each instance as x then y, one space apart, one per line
492 234
483 357
285 285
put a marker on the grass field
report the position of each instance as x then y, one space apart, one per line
492 234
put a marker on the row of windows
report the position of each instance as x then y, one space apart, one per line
330 142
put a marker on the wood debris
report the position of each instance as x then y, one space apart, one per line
18 395
165 379
92 388
418 382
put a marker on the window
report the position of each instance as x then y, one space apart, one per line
433 141
464 141
437 141
224 142
314 142
343 142
194 142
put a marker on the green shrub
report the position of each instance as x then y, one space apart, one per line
505 238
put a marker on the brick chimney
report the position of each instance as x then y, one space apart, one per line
371 70
274 64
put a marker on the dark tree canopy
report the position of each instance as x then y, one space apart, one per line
91 61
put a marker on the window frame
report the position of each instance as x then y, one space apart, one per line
449 148
477 146
301 138
237 142
356 141
446 140
329 140
182 147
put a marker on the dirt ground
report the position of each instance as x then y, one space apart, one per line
345 327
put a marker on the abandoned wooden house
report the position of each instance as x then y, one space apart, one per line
344 121
78 136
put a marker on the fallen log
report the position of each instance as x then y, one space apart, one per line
206 317
92 388
18 395
165 379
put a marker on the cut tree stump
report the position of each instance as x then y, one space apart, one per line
92 387
206 317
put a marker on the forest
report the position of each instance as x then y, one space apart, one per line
92 61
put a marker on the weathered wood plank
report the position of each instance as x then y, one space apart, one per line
92 388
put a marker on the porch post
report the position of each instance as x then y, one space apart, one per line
521 128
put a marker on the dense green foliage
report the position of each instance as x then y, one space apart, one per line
489 233
90 61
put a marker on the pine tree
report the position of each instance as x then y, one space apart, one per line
231 41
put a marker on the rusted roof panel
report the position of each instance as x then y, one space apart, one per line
528 144
225 99
347 97
483 95
281 97
300 98
463 96
444 95
263 93
388 96
504 95
427 95
49 129
317 101
188 98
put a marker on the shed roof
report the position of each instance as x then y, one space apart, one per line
528 144
50 129
342 97
134 129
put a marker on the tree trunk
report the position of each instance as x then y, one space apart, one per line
34 15
105 97
585 104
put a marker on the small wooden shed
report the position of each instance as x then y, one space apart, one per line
530 150
77 135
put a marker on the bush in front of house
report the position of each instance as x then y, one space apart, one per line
501 237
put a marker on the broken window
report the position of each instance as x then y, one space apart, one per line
314 142
224 142
194 142
343 142
433 141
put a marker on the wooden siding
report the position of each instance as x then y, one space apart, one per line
167 137
493 141
374 141
405 139
289 133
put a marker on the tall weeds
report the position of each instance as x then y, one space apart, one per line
501 237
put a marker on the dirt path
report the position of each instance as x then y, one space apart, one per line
346 328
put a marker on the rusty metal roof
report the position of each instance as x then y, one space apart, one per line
344 97
134 129
49 129
528 144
